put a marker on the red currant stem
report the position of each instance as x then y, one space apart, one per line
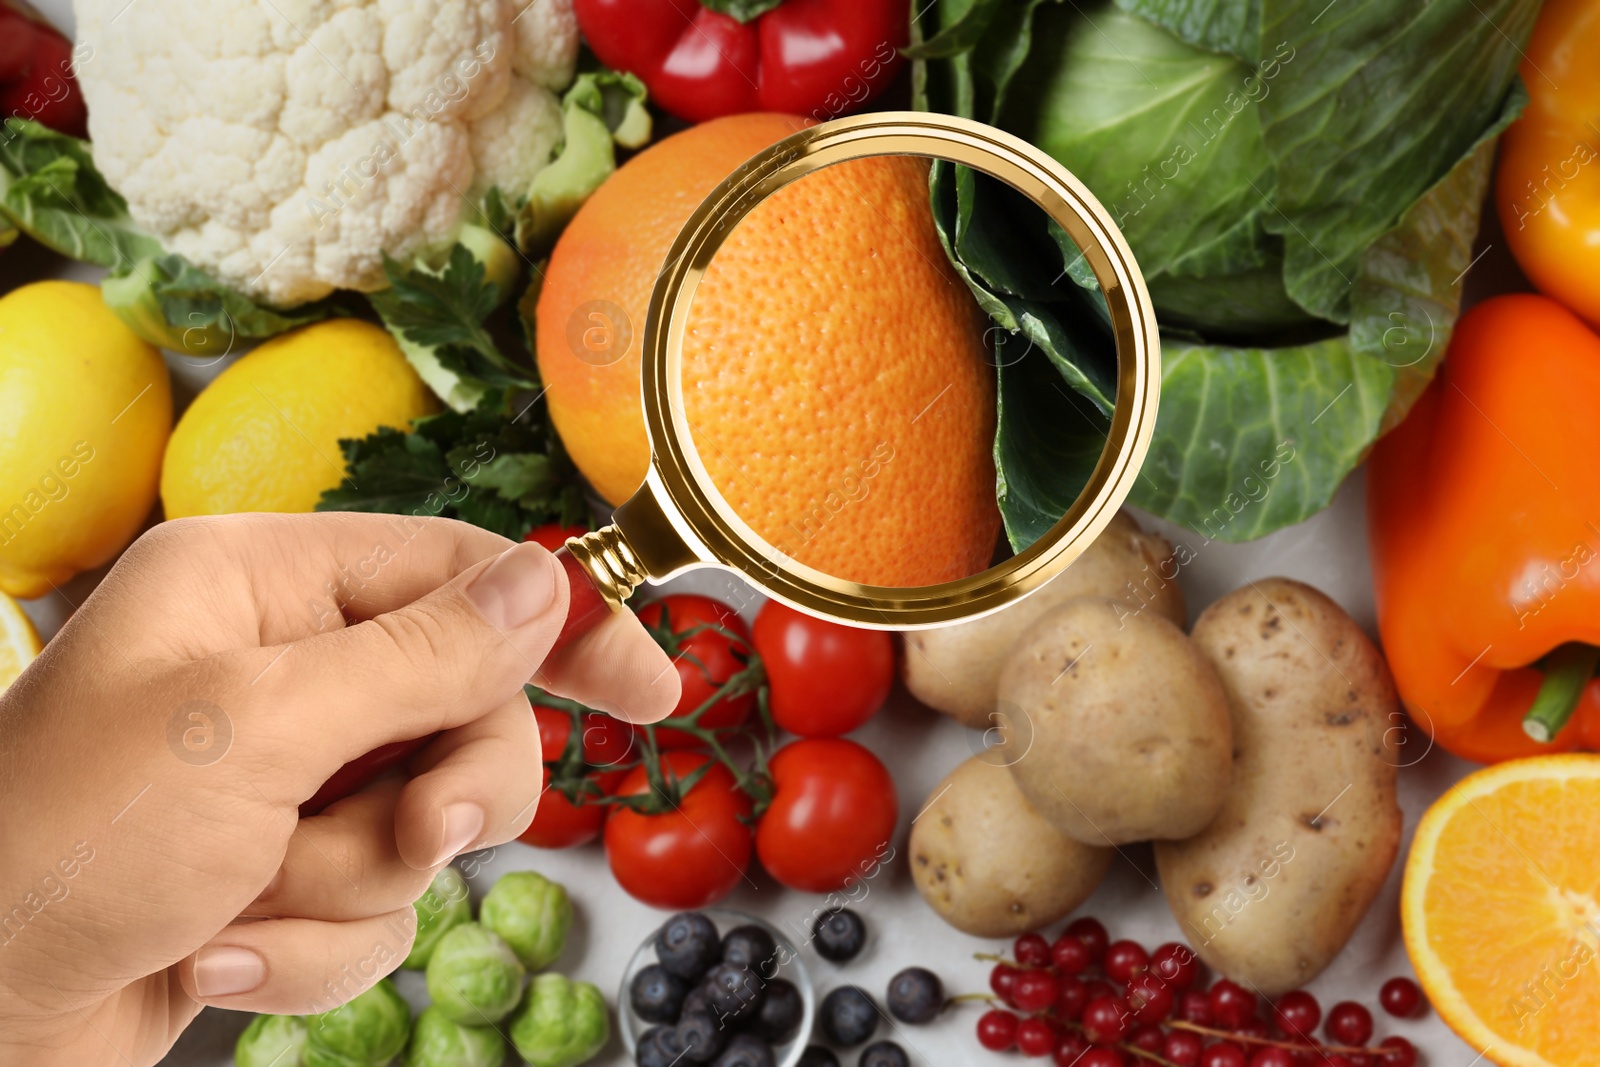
1251 1039
966 998
1137 1051
989 957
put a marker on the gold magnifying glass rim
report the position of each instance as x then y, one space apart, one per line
678 519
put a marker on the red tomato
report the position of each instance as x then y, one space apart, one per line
826 679
705 660
607 742
559 823
553 535
832 816
689 857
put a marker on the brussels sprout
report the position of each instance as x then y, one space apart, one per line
271 1041
443 907
371 1029
532 913
438 1042
474 977
561 1023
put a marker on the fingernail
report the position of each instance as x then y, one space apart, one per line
463 822
224 970
516 588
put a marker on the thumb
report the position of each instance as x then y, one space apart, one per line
441 661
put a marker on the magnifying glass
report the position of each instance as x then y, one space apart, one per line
830 485
820 385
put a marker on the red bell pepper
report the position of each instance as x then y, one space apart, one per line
701 59
36 79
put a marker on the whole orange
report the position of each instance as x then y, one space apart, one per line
835 371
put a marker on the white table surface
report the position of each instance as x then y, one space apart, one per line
920 747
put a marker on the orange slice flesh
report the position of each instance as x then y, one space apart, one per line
1501 909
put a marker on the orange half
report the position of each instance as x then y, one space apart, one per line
1501 908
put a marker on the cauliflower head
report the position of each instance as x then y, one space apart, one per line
285 145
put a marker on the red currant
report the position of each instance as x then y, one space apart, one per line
1035 991
1069 1049
1272 1056
1255 1028
1397 1052
1232 1005
1106 1020
1101 1057
1099 987
1092 934
1036 1037
1349 1024
1124 959
1003 980
1296 1014
1335 1060
1400 997
1194 1006
997 1030
1073 995
1175 964
1223 1054
1032 950
1181 1048
1070 955
1150 1000
1147 1037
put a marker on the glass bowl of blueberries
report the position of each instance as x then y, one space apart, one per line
716 985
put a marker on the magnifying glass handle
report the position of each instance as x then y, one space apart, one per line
586 609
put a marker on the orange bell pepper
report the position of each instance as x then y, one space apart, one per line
1484 519
1548 186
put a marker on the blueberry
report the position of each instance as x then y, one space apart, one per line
779 1018
687 945
849 1016
915 995
746 1050
817 1056
839 935
700 1036
750 946
736 993
884 1054
656 994
698 1002
649 1052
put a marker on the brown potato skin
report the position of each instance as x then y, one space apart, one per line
986 862
1130 736
1273 889
956 669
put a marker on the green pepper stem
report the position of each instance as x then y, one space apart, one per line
1566 671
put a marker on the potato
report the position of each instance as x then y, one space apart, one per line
956 669
1272 890
1123 723
989 865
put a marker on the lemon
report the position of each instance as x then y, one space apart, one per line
85 409
265 435
19 641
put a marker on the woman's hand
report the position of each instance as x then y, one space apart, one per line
153 759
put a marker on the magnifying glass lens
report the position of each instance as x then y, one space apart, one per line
846 388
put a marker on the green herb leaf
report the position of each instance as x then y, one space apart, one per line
491 466
50 190
1376 101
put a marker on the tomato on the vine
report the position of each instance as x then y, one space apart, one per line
553 535
826 679
607 742
709 644
693 853
560 823
832 815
